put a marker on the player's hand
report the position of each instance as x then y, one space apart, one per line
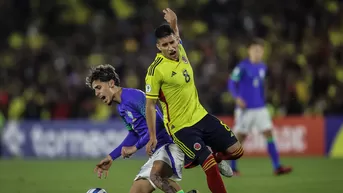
240 102
101 173
126 152
169 16
103 166
151 145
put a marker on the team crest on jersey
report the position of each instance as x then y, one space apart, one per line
197 146
129 114
148 88
184 59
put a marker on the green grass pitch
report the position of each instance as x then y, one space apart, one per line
311 175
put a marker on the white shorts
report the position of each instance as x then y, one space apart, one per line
170 154
248 119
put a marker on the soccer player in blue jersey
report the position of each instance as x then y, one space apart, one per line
247 87
166 162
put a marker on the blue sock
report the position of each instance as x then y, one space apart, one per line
273 153
234 165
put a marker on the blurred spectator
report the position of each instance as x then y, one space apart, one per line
48 46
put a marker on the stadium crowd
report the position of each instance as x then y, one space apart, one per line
46 48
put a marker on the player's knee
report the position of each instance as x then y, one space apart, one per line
234 152
268 134
237 153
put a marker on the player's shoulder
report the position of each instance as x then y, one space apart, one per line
263 65
156 65
243 62
133 91
132 95
241 66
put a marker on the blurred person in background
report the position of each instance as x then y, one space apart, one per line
247 87
49 42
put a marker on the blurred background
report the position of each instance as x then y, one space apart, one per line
47 47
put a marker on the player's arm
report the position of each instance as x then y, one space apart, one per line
235 78
138 105
151 116
171 18
130 140
153 83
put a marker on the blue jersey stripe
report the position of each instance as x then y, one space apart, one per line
171 160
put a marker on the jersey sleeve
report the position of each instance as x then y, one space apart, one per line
127 125
234 80
153 82
130 140
237 73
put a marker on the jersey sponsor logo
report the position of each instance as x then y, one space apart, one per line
173 73
184 59
197 146
147 88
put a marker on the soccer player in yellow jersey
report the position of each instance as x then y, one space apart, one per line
170 79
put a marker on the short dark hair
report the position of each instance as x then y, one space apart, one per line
256 41
163 30
104 73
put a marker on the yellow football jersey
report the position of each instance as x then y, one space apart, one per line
172 83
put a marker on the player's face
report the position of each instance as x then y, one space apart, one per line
104 90
169 47
256 52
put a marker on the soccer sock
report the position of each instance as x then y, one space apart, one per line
273 153
234 165
180 191
214 180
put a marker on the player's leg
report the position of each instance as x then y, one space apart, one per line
197 153
264 125
167 168
142 179
243 125
241 138
141 186
160 174
221 139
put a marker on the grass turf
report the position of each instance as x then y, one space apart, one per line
311 175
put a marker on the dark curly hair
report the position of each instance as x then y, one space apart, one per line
104 73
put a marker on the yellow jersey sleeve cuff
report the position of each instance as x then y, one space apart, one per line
150 96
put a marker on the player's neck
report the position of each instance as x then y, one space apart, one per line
254 61
117 95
